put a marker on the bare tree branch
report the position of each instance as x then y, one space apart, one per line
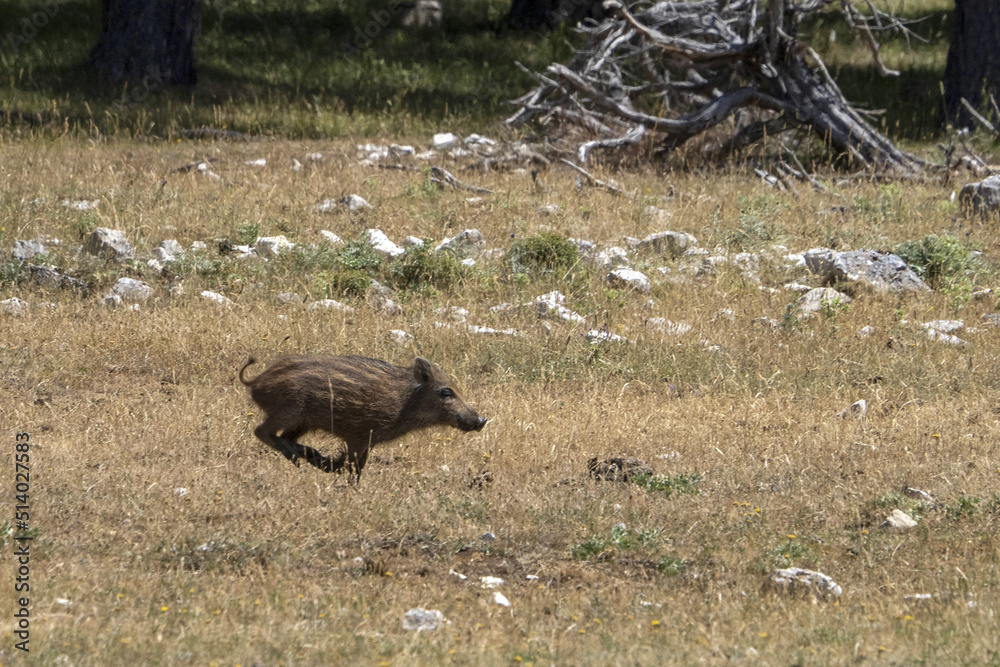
676 69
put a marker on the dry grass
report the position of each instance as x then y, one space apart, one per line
256 564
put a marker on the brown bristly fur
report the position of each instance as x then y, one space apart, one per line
363 401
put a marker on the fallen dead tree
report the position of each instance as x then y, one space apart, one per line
674 70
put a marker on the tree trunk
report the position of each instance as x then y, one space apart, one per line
147 42
546 14
973 67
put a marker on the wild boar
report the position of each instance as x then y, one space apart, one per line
363 401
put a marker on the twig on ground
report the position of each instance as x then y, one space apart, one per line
592 180
442 177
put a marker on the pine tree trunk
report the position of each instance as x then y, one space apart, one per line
973 59
147 42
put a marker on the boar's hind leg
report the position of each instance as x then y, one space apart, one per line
314 458
268 434
357 456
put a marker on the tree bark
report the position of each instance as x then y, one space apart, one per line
147 42
546 14
973 66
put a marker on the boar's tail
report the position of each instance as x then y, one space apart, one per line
250 361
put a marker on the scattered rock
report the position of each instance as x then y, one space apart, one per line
796 581
817 299
944 326
421 619
501 599
882 270
618 469
168 251
112 243
947 339
382 245
330 237
584 247
614 257
25 250
747 263
467 243
400 337
919 494
326 206
992 318
355 203
797 287
272 246
14 306
899 519
130 289
670 244
198 246
666 326
412 242
216 298
453 313
259 162
866 331
982 197
476 329
443 141
479 140
630 279
286 298
491 582
724 314
54 279
81 204
550 305
329 304
384 304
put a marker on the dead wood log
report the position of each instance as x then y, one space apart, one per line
671 71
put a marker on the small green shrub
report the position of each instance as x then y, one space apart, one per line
671 566
420 267
85 225
543 253
786 553
963 507
592 547
359 255
13 272
668 485
248 234
756 229
940 260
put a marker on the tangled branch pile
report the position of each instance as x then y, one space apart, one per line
674 70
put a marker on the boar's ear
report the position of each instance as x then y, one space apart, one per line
423 370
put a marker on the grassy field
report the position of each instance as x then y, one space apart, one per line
164 533
260 562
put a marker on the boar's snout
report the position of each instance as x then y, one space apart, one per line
471 423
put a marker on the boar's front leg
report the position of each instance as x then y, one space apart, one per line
357 456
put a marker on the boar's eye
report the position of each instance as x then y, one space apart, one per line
446 393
